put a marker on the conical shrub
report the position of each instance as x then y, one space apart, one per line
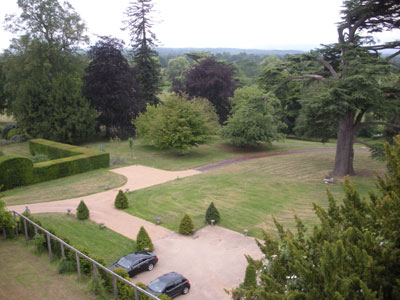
212 214
82 212
121 201
143 240
186 226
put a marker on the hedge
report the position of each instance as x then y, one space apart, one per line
15 171
67 160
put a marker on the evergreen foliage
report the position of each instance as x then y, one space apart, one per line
142 286
46 98
111 88
6 220
250 278
186 226
125 292
82 212
212 213
178 125
353 254
252 119
146 65
121 201
164 297
214 81
143 240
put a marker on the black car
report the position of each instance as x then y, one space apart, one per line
171 284
136 262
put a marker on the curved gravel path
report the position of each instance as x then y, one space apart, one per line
213 259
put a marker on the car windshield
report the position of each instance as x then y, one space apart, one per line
124 262
157 285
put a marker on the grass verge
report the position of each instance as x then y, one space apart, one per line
26 275
248 193
100 242
64 188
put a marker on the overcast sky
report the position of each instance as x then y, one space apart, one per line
251 24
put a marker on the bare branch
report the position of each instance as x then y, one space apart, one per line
329 67
393 55
311 76
380 123
362 142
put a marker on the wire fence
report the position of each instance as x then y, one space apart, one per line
78 254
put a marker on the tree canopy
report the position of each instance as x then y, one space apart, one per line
214 81
352 78
111 88
178 124
146 64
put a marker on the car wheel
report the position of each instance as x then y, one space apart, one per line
150 267
185 290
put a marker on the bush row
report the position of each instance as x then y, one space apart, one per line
19 170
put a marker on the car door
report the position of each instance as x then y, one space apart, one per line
135 268
170 290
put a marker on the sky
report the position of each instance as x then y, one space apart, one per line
250 24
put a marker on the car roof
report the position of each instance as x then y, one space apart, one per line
137 255
171 276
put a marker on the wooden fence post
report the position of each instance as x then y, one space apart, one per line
115 288
62 250
26 232
16 223
78 265
36 232
95 272
49 246
136 294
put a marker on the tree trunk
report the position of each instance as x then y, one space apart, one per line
344 147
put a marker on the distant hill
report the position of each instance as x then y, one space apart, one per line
173 52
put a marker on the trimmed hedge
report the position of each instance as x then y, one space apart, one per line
121 201
67 160
15 171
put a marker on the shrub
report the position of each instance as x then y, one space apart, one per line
30 228
86 266
82 212
98 287
121 201
66 265
125 292
143 287
250 278
143 240
14 131
186 226
6 220
6 129
212 214
105 277
39 240
38 158
164 297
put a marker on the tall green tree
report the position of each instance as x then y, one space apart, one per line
353 253
43 72
111 88
146 64
351 76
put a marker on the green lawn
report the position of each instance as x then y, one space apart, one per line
64 188
248 193
26 275
214 151
100 242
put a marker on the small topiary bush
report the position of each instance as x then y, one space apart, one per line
121 201
6 129
186 226
143 240
212 214
82 212
14 131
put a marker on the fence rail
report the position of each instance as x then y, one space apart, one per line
79 254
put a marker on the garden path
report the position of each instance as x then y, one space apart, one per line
212 259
